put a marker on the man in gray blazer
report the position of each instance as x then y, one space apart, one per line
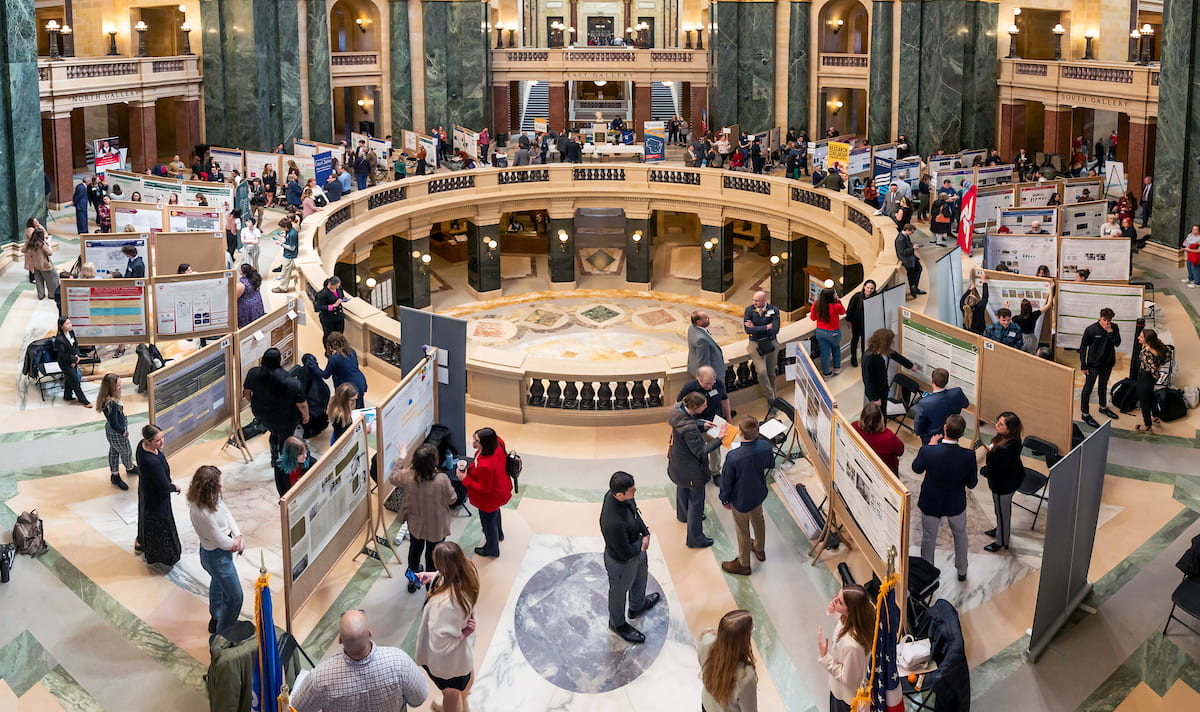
703 349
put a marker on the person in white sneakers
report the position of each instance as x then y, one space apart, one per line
1191 246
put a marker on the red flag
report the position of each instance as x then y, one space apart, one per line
966 219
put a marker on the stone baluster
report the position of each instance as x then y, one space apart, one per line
554 395
639 394
654 399
604 396
587 396
622 396
537 393
571 396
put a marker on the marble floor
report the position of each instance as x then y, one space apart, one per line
124 636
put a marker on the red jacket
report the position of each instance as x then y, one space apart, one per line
487 482
886 445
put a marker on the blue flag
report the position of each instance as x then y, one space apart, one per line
268 675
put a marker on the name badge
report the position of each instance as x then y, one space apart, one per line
713 392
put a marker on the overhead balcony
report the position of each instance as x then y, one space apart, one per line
837 65
73 82
355 68
563 64
1112 86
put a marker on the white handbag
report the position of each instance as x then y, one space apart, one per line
912 654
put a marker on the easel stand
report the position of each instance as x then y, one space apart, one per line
376 538
831 527
235 437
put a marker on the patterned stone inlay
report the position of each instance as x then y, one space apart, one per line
492 331
600 260
657 317
599 313
860 219
543 319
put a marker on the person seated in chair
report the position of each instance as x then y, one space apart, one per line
939 404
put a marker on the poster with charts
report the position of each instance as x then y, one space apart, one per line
107 255
1079 305
274 330
930 344
989 201
191 396
1022 254
106 311
865 488
189 219
122 185
218 196
228 160
1035 195
256 163
994 175
814 404
158 191
142 217
326 497
945 162
196 306
1107 258
407 416
1020 220
1083 219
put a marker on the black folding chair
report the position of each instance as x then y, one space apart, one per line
923 579
781 445
1035 483
909 392
1187 594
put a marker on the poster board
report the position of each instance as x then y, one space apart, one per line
277 329
1082 190
973 157
818 152
990 200
184 218
306 165
959 178
882 311
947 279
1034 195
1018 220
107 311
1079 305
256 162
322 516
1007 290
931 344
429 143
1082 219
142 217
881 171
204 252
107 152
408 140
191 396
1108 258
123 184
1020 254
197 305
860 161
874 499
814 412
994 175
218 196
159 191
229 160
945 162
406 416
888 151
105 252
466 141
1045 400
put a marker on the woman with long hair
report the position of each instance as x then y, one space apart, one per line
104 214
116 429
1150 359
446 633
220 539
249 296
1004 472
341 409
880 350
1028 319
488 487
972 303
342 366
727 665
872 426
425 505
157 536
39 260
66 349
294 461
854 315
846 658
277 400
827 312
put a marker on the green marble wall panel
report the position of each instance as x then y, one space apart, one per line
456 64
879 86
744 65
401 67
722 100
320 82
1177 149
637 254
799 65
21 163
212 31
981 95
562 255
908 94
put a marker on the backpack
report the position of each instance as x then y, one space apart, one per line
513 466
29 534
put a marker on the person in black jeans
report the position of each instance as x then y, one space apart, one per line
875 366
626 540
854 315
1004 472
277 400
329 303
1097 356
1149 361
66 349
908 258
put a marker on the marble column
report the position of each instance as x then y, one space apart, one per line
320 81
641 110
21 161
879 86
143 136
557 118
716 265
57 154
1176 170
187 126
799 65
562 254
457 62
400 66
638 261
1056 133
947 97
411 282
1012 130
789 281
483 263
743 64
251 73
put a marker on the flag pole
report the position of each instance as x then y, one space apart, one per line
891 561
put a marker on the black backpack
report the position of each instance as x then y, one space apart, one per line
513 466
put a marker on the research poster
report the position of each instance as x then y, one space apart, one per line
100 311
1083 190
908 171
818 153
256 163
1011 292
860 161
1037 194
887 151
870 499
466 141
814 404
142 217
184 308
208 195
1022 254
270 331
1079 305
303 147
106 253
929 348
994 175
158 191
408 416
228 160
973 157
122 185
188 219
958 178
1083 219
108 154
881 171
192 397
326 501
1020 220
1108 259
939 164
990 201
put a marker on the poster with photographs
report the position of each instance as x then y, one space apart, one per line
1022 254
1082 190
864 486
814 404
1107 258
1033 195
1082 219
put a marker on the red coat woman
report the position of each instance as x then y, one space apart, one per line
488 487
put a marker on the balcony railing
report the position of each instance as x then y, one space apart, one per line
79 81
854 61
1081 83
544 63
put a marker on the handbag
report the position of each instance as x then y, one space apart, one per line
766 346
941 218
912 654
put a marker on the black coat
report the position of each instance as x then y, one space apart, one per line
875 373
329 306
951 682
1004 470
949 472
66 351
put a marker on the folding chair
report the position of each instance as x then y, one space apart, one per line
781 445
1187 593
923 579
910 394
1035 483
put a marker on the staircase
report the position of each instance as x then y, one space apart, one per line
535 103
664 101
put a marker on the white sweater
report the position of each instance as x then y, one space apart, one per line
440 645
217 530
846 662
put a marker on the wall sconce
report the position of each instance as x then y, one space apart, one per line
141 28
601 82
1058 31
362 26
776 266
187 37
1087 47
52 28
571 36
709 246
362 104
563 237
422 261
837 25
836 105
699 36
637 241
1147 44
112 42
491 245
371 283
1013 31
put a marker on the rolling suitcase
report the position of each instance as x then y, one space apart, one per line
1123 395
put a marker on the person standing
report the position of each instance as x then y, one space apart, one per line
761 322
1150 359
425 504
703 349
104 214
328 304
96 191
743 491
135 267
949 472
39 261
249 298
1028 320
250 237
157 536
687 465
342 366
488 487
1147 199
66 349
880 350
291 250
79 199
827 313
855 315
364 676
220 539
626 540
276 400
972 304
116 430
1004 472
846 661
1191 247
907 254
1097 357
933 410
727 665
446 631
716 403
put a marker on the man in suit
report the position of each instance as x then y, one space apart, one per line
935 408
908 259
136 267
949 472
79 199
1147 198
687 466
703 349
743 491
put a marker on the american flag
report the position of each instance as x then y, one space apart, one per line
886 695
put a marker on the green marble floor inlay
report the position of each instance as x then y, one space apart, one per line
25 662
1158 662
66 430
